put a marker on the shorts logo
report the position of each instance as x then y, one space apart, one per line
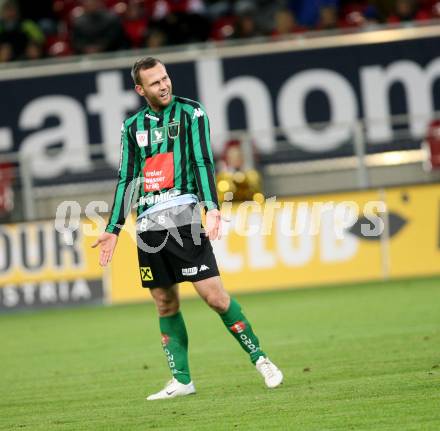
173 130
238 327
146 273
203 268
189 271
165 339
157 135
142 139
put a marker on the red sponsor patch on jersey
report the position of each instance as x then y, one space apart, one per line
159 172
238 327
165 339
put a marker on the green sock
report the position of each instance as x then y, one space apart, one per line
241 329
175 346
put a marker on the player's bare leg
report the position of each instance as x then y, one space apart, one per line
166 299
211 290
174 343
213 293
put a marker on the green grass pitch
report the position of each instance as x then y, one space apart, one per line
361 357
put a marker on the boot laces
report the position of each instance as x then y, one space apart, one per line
266 369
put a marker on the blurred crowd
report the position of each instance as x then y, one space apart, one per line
53 28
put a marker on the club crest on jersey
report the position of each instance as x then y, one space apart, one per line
142 138
157 135
173 129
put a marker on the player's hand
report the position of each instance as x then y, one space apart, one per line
213 227
107 243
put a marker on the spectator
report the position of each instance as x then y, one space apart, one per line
233 157
308 12
371 16
63 27
135 23
234 176
6 190
156 38
360 15
97 30
182 21
405 11
16 34
436 10
33 51
285 23
246 26
328 18
219 8
223 28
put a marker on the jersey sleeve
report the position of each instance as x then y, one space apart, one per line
201 158
128 171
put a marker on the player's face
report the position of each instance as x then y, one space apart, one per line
155 87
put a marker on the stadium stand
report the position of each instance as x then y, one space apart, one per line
58 28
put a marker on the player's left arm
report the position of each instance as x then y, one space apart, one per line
203 165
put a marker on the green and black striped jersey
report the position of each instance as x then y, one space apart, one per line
168 154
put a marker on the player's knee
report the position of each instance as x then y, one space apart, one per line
219 303
167 309
167 306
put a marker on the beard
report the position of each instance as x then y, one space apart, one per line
160 101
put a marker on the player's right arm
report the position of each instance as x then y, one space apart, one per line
128 171
107 244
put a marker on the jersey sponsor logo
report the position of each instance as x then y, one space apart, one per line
238 327
157 135
142 138
146 273
203 268
189 271
198 113
173 129
159 198
159 172
152 117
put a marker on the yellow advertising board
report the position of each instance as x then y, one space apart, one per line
289 242
414 230
41 267
37 251
260 251
303 241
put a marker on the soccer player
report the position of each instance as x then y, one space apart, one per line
166 147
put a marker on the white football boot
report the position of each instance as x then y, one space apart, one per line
173 389
273 377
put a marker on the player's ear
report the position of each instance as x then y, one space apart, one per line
139 90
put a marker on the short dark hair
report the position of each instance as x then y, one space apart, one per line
143 64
